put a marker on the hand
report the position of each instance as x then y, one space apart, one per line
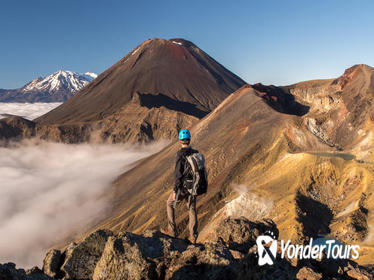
174 195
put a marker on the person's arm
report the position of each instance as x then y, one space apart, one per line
178 173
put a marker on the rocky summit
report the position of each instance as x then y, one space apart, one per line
231 254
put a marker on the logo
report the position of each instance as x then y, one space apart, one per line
329 248
267 249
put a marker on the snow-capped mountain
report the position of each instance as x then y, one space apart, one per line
58 87
61 79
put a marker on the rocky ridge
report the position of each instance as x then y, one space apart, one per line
231 254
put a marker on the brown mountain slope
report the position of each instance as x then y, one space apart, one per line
267 162
16 127
241 132
341 109
133 123
173 74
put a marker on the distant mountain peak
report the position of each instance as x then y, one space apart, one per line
57 87
67 80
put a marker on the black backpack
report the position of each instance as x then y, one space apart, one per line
195 177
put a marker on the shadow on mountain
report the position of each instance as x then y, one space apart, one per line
15 127
152 247
313 215
280 100
151 101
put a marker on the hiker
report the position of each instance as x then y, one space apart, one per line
190 181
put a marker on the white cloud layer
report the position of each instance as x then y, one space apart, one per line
27 110
50 189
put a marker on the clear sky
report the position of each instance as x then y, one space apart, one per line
274 42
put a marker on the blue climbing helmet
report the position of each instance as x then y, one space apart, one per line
184 134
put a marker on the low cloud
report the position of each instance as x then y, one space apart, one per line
27 110
48 190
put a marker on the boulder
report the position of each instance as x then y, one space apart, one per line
331 267
281 269
81 259
208 261
355 272
240 234
9 271
306 273
122 260
158 256
52 262
132 256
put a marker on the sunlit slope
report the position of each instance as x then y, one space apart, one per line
240 133
272 153
310 195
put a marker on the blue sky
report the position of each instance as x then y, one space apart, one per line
273 42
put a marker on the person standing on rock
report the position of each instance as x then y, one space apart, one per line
190 181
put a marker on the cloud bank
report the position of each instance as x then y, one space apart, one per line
50 189
27 110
